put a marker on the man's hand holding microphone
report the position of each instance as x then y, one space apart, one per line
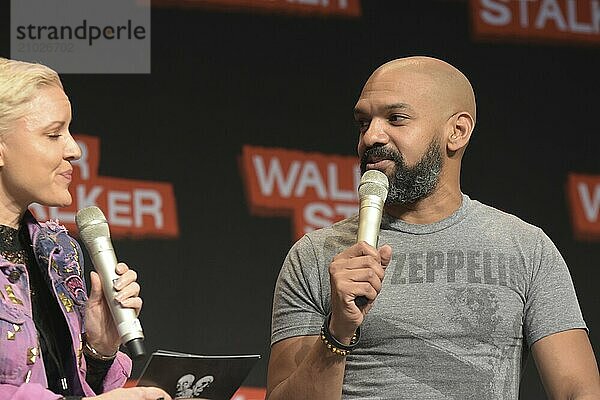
356 274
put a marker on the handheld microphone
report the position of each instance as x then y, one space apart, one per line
372 192
94 232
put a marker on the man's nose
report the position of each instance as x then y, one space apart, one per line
376 133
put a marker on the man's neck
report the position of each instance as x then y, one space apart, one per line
440 204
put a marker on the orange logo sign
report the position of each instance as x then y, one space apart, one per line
315 189
250 393
584 198
563 20
132 207
349 8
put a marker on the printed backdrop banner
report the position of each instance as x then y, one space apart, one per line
584 197
315 189
243 138
132 208
551 20
348 8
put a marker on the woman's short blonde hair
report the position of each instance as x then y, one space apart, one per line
19 82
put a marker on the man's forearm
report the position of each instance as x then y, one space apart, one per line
319 376
591 394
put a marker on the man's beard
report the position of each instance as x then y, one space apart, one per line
408 184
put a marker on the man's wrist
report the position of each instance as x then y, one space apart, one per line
341 334
333 344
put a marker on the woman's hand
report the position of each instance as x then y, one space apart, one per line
134 393
101 331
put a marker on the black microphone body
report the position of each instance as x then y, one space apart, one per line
372 192
95 234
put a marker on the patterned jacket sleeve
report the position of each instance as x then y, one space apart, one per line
118 373
26 391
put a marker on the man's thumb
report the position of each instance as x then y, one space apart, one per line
385 252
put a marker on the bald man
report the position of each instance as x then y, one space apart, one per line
468 290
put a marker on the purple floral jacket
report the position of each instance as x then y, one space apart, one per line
22 373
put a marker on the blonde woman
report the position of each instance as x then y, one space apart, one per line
56 342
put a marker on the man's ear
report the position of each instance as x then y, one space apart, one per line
460 132
1 152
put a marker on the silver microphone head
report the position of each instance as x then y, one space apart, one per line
91 223
373 182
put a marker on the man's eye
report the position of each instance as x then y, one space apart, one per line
363 124
397 118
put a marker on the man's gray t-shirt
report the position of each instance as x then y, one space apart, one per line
462 300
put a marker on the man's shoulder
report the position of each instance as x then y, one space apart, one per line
500 218
343 231
344 227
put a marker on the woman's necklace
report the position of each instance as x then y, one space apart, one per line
14 251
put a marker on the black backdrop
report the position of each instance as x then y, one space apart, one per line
221 80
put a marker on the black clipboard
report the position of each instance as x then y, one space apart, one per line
191 376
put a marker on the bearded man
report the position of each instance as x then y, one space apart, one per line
468 292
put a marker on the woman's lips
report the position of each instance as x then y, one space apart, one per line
67 175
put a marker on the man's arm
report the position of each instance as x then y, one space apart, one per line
567 366
303 368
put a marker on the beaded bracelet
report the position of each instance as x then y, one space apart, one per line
333 344
92 352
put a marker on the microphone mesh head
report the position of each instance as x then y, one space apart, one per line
91 223
375 183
